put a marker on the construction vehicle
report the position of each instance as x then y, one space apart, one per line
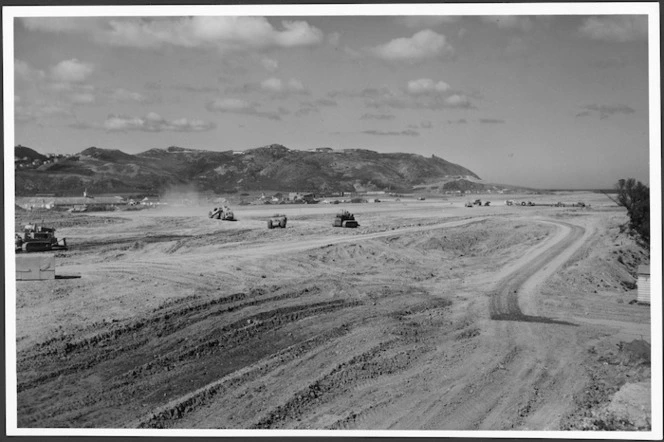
509 202
277 220
487 203
469 204
223 213
478 202
345 219
38 238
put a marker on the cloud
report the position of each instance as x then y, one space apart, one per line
611 62
459 121
333 39
24 72
622 28
426 21
377 117
82 98
491 121
233 33
521 23
152 122
71 71
605 110
407 133
38 111
439 96
186 87
426 86
62 24
279 87
242 107
269 64
426 125
424 45
124 95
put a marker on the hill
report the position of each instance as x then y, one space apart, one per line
273 167
25 152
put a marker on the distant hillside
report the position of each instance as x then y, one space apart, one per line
25 152
273 167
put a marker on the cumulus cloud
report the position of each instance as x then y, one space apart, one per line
407 133
280 87
605 110
71 71
426 21
223 32
154 122
426 86
621 28
521 23
424 45
239 106
377 117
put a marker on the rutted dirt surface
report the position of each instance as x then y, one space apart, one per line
429 316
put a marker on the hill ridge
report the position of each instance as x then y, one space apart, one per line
269 167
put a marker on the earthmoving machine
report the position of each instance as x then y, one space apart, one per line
345 219
277 220
38 238
487 203
509 202
223 213
478 202
469 204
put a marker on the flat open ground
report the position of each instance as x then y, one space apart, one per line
429 316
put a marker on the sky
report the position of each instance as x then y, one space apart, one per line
545 101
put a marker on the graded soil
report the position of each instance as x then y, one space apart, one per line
428 316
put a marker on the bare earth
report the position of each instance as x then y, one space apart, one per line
429 316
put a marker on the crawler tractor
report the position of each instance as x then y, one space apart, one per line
345 219
478 202
469 204
223 213
38 239
277 221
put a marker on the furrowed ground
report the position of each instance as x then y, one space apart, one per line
429 316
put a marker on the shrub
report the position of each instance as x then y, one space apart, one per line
635 197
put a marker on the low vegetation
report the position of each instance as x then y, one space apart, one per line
635 197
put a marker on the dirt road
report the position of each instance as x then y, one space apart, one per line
416 320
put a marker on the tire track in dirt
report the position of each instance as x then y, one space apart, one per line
124 356
501 392
504 304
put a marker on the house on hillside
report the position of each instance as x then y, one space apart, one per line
643 284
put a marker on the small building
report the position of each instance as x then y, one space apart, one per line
643 284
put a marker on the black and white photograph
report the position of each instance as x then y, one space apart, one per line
333 220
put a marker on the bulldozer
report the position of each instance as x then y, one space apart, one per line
478 202
277 220
469 204
345 219
38 238
223 213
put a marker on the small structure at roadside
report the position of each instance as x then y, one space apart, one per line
643 284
